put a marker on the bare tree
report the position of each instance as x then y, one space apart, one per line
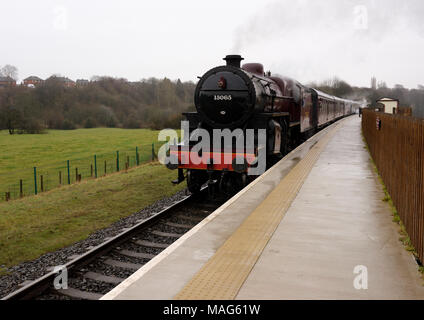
9 71
10 117
382 85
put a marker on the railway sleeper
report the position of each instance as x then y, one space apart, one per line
194 219
78 294
149 244
167 235
101 277
123 265
139 255
177 225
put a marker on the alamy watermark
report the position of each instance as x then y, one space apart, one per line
221 153
360 282
60 21
360 17
61 280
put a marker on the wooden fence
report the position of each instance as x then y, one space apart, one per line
396 144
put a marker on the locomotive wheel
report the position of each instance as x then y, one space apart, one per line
195 181
231 183
225 184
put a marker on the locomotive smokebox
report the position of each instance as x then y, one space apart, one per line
234 60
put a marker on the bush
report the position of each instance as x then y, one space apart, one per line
111 123
90 123
68 125
30 126
131 123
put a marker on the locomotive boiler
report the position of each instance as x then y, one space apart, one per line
277 111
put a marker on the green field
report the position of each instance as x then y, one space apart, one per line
62 215
49 153
35 225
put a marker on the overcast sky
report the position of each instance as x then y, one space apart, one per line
309 40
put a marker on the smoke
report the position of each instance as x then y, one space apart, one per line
374 20
318 39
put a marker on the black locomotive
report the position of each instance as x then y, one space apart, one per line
242 98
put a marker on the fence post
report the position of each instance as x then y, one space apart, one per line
153 152
137 158
95 166
41 183
105 168
69 172
117 161
76 174
21 189
35 180
60 178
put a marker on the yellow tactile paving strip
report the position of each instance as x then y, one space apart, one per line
223 275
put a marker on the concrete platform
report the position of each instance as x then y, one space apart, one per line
336 222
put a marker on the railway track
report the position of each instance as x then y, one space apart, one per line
99 270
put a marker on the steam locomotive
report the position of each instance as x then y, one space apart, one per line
241 98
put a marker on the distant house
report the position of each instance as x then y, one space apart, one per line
33 81
67 82
7 82
82 82
390 105
64 80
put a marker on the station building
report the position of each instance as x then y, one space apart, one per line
389 105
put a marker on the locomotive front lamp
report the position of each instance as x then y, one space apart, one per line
222 83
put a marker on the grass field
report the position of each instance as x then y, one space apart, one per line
49 153
39 224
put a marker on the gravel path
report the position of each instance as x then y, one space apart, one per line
32 270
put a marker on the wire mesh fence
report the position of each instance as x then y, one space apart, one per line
396 144
31 181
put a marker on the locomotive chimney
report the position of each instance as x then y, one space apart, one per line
233 60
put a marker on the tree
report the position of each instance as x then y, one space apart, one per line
106 102
341 88
90 123
382 85
9 71
10 116
334 86
179 90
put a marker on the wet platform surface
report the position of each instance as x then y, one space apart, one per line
335 221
